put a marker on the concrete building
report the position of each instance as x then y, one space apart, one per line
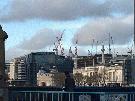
17 73
120 70
17 69
12 70
115 74
128 67
112 74
88 61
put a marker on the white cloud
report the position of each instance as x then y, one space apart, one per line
121 29
20 10
40 40
14 52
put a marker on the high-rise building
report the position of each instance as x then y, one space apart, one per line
35 61
12 70
17 72
18 69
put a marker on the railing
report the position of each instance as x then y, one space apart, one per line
70 96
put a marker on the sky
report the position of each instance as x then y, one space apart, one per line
33 25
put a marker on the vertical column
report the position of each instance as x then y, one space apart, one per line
3 90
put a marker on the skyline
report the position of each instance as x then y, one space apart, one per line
30 24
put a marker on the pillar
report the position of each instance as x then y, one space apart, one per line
3 90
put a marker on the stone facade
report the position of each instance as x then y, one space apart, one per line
3 36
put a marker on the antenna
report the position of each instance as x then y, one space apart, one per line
110 43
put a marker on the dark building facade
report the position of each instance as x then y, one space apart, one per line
47 60
128 64
86 61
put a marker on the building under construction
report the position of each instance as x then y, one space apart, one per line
86 61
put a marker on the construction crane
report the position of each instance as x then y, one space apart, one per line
62 51
113 46
70 52
96 46
93 41
58 44
109 39
130 51
89 53
76 54
56 48
76 49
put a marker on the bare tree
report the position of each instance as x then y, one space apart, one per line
88 80
58 79
97 77
78 77
104 76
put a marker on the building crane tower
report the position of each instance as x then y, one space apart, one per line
101 41
96 46
93 41
56 48
76 54
70 53
110 38
58 44
76 49
89 53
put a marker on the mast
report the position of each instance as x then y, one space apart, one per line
109 43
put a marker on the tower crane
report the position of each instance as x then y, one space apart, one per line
58 44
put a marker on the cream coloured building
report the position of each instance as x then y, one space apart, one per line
12 70
45 78
115 74
17 69
112 74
